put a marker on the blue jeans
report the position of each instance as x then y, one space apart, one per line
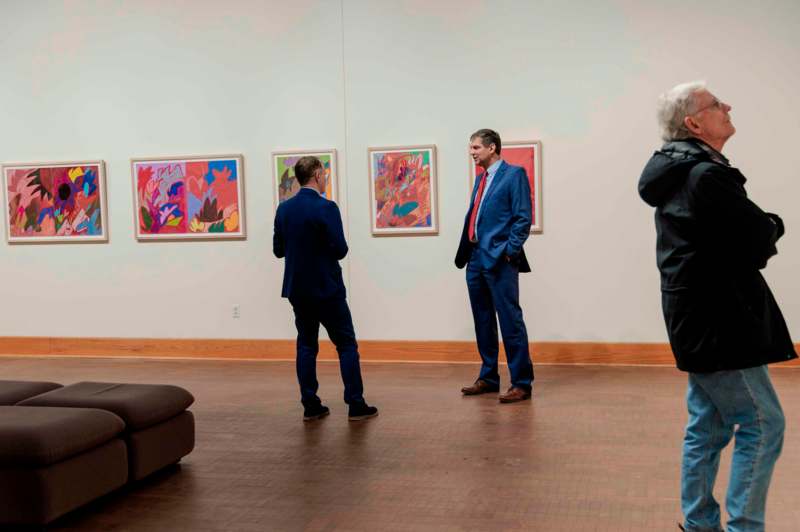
717 403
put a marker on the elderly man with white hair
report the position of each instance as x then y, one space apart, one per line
723 323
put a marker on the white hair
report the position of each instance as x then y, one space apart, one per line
675 105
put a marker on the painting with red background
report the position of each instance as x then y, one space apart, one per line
524 156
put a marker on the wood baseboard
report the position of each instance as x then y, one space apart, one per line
371 350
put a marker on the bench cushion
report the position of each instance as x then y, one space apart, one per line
12 392
38 495
33 436
139 405
160 445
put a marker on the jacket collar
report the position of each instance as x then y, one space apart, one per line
692 148
715 156
309 192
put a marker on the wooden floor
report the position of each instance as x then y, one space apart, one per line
598 449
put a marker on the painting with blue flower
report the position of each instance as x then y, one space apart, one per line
55 202
188 197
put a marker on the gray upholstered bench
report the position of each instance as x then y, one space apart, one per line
53 460
159 430
12 392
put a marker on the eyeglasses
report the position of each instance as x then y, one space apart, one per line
716 104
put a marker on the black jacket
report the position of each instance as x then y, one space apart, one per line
711 243
309 233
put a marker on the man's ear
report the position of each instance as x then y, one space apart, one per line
691 124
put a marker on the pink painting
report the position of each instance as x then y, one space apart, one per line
63 202
403 190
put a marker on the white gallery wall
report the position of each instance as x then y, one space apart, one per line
111 80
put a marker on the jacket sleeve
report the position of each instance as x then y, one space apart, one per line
738 230
520 213
464 251
278 239
334 232
778 224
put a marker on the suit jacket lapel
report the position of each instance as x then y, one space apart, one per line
495 182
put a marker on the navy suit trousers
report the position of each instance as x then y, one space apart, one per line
334 315
494 294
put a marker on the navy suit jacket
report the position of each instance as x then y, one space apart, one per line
504 223
309 233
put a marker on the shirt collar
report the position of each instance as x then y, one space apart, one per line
493 167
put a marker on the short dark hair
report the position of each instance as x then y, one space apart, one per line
305 167
488 137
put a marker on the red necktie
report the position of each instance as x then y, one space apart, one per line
478 195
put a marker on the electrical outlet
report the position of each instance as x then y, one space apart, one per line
236 312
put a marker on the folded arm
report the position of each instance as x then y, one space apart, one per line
739 230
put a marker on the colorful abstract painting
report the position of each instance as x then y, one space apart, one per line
286 184
188 198
403 190
63 202
527 154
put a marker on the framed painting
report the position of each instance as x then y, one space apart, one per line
55 202
285 183
527 154
402 190
184 198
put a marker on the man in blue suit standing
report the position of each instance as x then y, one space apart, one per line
309 233
496 226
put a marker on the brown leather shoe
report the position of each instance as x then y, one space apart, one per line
479 387
514 395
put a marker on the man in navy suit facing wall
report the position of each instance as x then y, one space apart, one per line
309 233
496 226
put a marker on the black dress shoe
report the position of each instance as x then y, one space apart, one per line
315 412
361 411
480 386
